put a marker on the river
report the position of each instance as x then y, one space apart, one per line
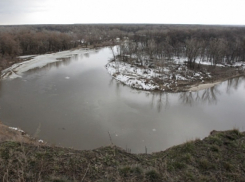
75 103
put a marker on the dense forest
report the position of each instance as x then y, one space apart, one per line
147 42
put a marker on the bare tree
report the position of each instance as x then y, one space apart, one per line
192 51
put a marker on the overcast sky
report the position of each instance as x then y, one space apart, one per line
123 11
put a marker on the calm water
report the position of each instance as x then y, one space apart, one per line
75 103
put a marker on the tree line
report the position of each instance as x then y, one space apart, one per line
217 46
146 42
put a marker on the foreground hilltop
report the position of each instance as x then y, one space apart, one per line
219 157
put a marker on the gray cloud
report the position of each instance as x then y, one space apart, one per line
114 11
23 6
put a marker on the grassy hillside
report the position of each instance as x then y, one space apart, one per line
219 157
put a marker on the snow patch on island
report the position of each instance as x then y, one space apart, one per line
135 77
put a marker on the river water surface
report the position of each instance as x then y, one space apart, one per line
75 103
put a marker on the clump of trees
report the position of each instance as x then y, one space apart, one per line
30 42
217 46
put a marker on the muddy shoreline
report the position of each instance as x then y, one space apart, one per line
201 86
208 84
8 133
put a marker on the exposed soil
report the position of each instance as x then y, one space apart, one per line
219 74
15 134
219 157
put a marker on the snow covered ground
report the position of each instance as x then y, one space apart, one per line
181 60
27 56
38 61
132 76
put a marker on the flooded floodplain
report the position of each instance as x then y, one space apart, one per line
76 103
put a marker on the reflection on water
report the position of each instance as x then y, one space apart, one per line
210 95
234 83
159 100
204 96
80 111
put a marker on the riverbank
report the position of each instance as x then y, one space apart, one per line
30 62
16 135
173 77
8 66
218 157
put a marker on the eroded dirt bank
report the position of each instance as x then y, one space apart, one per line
16 135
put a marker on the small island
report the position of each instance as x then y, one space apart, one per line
174 77
191 67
